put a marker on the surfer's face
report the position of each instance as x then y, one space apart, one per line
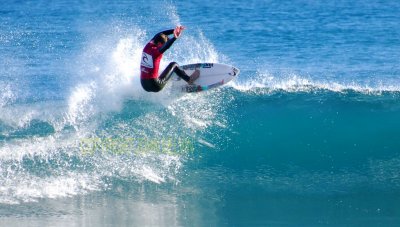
160 40
165 40
160 44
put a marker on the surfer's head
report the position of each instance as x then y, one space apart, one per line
160 39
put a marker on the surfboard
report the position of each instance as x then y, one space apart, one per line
212 75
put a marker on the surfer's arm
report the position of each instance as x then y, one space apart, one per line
176 31
170 41
166 32
167 45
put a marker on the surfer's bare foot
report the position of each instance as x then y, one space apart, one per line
195 75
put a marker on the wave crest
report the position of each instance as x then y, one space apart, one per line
264 83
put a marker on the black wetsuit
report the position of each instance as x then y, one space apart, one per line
150 63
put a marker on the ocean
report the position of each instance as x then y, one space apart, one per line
307 135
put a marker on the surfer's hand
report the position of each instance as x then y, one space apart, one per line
178 31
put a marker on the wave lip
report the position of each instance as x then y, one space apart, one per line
266 83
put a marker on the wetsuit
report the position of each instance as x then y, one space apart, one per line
151 58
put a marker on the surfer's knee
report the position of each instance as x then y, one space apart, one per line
173 64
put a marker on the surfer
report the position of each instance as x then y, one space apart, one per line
151 57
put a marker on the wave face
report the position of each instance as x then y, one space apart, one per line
308 134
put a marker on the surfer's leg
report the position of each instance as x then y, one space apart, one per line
151 85
173 68
195 75
156 85
190 79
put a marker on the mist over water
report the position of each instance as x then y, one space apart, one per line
306 135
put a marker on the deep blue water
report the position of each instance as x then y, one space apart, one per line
307 135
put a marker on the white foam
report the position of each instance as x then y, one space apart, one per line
20 185
172 13
106 75
38 146
29 188
10 69
80 107
204 142
6 95
192 49
149 174
291 82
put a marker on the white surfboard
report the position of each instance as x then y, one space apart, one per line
212 75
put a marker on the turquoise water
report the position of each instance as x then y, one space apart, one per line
307 135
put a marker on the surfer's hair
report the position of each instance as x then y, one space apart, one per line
160 38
